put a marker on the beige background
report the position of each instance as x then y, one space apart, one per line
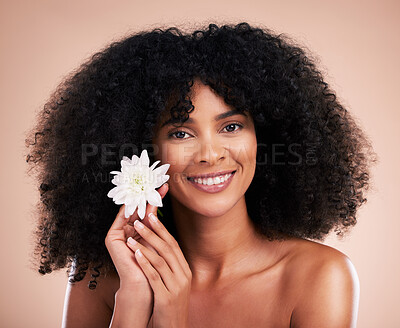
357 43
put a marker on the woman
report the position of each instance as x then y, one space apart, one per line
237 102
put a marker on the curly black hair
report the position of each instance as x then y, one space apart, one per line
109 108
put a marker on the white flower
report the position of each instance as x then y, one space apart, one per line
136 184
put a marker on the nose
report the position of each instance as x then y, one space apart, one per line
209 152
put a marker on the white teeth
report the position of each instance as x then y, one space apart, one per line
213 181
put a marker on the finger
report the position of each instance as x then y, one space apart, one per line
162 247
156 261
164 234
120 220
152 275
119 227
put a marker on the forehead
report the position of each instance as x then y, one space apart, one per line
191 120
205 101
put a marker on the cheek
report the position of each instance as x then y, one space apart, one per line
176 154
178 158
245 151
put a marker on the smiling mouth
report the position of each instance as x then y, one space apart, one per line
210 181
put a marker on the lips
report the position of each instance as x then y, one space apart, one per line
214 188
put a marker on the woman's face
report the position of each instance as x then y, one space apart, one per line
215 140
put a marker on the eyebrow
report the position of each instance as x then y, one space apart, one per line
216 118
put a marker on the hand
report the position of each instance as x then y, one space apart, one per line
168 273
129 271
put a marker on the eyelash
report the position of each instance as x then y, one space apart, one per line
171 135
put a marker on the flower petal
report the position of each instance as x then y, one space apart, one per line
161 180
132 204
162 169
120 196
113 192
154 198
115 172
120 201
142 207
134 160
133 200
154 165
144 158
129 211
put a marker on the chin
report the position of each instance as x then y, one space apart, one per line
212 208
211 213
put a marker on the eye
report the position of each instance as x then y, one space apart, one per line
231 127
177 134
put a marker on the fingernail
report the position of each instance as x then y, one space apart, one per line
132 241
138 224
139 253
152 217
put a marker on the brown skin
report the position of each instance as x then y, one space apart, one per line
237 277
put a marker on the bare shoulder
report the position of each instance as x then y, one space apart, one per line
327 289
313 261
314 255
111 286
85 307
106 287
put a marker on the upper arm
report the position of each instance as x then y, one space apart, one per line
330 296
84 307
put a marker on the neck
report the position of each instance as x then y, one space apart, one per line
216 247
